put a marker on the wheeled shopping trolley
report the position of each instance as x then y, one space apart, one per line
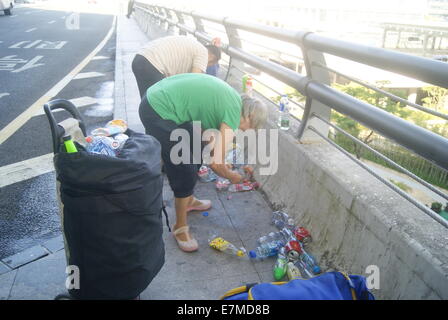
110 210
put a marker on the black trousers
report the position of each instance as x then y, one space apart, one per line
145 73
181 177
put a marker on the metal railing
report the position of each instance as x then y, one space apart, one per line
315 86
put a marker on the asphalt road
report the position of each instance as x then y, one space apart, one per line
37 50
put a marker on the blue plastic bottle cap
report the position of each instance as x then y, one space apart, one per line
252 254
205 214
316 269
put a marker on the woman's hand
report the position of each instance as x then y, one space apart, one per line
249 171
236 178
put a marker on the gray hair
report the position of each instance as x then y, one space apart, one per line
255 110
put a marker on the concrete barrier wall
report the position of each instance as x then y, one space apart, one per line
356 221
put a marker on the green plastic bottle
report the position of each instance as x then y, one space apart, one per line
69 144
244 80
279 270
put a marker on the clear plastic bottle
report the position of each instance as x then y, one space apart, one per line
112 128
266 249
206 174
285 235
292 271
267 238
282 220
280 215
309 262
283 118
303 270
120 140
235 157
225 246
245 186
222 184
101 145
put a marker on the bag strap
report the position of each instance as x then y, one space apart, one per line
166 218
238 290
352 286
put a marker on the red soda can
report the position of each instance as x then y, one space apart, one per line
302 235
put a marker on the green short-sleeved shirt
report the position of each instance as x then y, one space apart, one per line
196 97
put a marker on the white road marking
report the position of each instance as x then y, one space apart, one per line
39 44
13 16
87 75
100 58
83 101
30 64
63 17
23 118
32 29
78 102
51 22
9 63
32 44
25 170
18 45
52 45
4 94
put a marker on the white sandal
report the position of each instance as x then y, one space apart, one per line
188 246
205 205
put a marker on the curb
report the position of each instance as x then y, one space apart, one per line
119 89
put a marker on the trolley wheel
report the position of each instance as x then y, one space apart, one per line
63 296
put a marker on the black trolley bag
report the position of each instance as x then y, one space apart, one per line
111 216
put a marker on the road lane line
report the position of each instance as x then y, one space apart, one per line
32 29
23 118
51 22
25 170
4 95
88 75
100 58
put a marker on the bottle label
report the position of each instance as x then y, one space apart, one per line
219 244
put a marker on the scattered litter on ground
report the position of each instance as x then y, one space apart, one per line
288 245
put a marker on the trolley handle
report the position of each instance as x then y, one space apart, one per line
57 132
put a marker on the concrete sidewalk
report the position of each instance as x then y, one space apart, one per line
205 274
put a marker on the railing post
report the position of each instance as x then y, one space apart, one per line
170 28
234 76
198 23
167 15
312 59
159 12
386 30
180 20
140 17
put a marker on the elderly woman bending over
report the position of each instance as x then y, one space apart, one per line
174 103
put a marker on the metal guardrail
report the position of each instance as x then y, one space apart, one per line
315 86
